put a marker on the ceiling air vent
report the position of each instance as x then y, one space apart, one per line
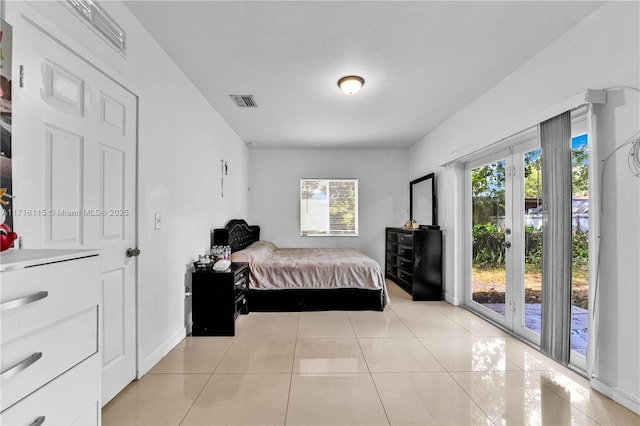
244 101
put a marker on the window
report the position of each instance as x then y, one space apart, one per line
328 207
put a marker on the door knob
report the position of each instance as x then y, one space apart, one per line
506 244
133 252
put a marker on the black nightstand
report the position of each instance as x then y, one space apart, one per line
218 299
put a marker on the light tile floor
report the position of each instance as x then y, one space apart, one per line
416 363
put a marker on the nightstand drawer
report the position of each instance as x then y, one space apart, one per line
41 295
241 281
33 360
68 400
242 273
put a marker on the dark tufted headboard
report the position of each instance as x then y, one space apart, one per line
237 234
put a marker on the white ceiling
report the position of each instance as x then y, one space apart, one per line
422 61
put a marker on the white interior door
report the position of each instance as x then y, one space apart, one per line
75 152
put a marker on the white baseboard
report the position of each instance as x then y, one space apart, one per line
621 397
160 352
453 300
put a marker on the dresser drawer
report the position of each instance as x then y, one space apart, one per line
405 264
405 239
405 276
404 252
71 399
33 360
37 296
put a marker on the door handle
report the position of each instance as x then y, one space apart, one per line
506 244
133 252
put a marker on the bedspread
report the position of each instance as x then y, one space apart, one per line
309 268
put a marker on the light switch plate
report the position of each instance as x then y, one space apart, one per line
158 221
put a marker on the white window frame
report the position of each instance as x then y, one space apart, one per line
311 233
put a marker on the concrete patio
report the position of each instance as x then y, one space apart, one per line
533 317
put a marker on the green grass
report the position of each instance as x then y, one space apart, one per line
488 284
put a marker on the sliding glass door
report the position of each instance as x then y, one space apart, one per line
505 244
490 225
504 239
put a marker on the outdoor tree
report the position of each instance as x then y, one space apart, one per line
487 187
580 170
342 205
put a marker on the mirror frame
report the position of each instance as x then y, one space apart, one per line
434 205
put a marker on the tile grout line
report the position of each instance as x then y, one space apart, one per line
195 399
451 376
375 386
293 360
207 382
470 397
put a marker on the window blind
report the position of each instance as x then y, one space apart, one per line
555 139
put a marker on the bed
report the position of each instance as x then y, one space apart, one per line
290 280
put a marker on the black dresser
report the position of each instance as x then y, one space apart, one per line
414 261
218 298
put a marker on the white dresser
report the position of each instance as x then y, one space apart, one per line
50 352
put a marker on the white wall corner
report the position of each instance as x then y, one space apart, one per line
150 361
616 394
451 299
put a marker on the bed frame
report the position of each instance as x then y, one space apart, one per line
239 235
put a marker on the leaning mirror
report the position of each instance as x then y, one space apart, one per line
422 200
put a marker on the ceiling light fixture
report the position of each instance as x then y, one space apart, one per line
351 84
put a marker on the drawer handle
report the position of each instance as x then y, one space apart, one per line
39 421
25 363
16 303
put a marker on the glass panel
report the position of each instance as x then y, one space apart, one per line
533 240
488 274
328 207
580 233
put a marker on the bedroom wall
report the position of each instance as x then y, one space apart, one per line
274 201
181 142
600 52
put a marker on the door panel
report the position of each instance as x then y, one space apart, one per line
62 89
112 178
501 277
113 291
489 273
527 240
64 197
76 181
